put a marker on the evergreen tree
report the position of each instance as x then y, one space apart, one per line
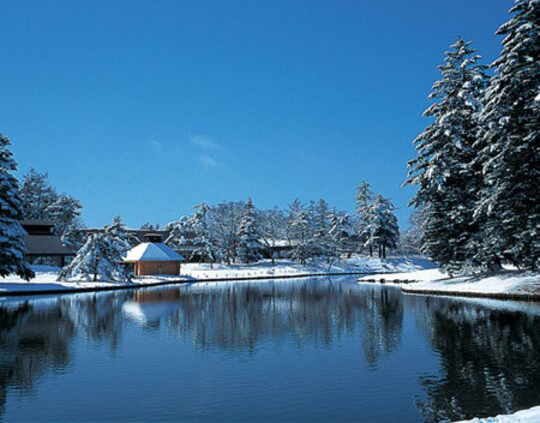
204 243
364 197
445 170
63 211
339 234
249 249
300 230
381 229
273 224
412 237
101 255
179 234
41 202
37 195
73 236
510 154
320 230
12 247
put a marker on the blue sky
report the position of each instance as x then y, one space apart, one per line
146 108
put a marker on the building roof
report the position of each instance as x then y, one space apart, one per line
152 251
36 222
45 245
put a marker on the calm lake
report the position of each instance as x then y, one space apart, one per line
321 349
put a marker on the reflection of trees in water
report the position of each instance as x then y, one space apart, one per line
490 359
237 316
36 336
31 342
382 321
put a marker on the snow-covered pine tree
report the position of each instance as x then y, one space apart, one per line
36 195
63 211
322 241
12 247
412 237
41 202
101 255
179 234
73 236
226 219
445 171
387 232
204 244
250 247
300 228
339 233
364 197
511 144
273 225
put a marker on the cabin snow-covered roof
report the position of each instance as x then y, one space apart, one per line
152 251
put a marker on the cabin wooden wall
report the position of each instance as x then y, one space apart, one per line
157 268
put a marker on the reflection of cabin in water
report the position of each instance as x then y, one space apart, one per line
43 246
151 258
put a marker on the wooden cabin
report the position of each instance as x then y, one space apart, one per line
151 258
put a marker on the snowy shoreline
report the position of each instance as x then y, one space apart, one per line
510 284
46 277
529 415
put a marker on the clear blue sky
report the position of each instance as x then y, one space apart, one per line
146 108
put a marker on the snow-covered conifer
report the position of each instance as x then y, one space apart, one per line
63 211
73 236
204 243
510 146
101 255
250 247
445 171
364 197
339 233
300 229
273 225
179 233
12 247
381 228
37 195
226 219
411 239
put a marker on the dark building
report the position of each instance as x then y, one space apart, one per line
43 246
144 235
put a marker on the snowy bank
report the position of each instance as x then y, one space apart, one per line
524 416
287 268
46 281
507 284
46 277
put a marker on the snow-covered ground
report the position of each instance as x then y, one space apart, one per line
508 283
46 280
46 276
524 416
286 268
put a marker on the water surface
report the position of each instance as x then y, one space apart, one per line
320 349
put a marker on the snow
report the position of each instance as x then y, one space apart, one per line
423 275
524 416
288 268
149 251
46 276
507 283
46 280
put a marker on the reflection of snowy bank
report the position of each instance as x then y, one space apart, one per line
524 416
